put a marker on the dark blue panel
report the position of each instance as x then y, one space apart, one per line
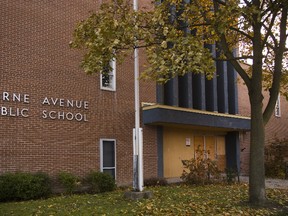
171 92
222 86
160 151
211 95
232 151
222 83
161 115
211 86
160 93
185 91
198 85
232 89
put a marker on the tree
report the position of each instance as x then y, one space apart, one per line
174 34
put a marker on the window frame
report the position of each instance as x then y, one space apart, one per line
111 73
102 168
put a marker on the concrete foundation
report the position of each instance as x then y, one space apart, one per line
137 195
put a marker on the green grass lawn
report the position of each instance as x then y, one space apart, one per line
171 200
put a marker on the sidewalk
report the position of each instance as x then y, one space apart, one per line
270 183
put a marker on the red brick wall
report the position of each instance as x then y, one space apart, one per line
277 127
35 59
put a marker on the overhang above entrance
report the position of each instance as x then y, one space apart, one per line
163 114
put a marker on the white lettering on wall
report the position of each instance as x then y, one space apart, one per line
15 97
5 96
80 104
68 103
45 101
14 112
20 98
46 114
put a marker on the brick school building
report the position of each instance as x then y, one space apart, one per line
56 118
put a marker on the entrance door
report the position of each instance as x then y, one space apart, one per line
212 147
221 154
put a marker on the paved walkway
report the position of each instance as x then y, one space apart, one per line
270 183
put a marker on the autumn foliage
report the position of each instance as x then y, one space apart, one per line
201 169
175 35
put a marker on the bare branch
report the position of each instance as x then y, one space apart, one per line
229 55
269 32
248 3
234 58
234 62
220 2
241 32
262 5
274 90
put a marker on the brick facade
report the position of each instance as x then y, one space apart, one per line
276 128
36 61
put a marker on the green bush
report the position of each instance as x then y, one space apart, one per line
231 175
24 186
275 159
69 181
100 182
200 170
155 181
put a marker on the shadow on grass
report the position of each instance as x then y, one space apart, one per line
282 209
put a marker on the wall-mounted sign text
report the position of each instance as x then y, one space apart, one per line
21 103
16 98
61 115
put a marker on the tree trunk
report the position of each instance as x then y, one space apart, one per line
257 194
256 170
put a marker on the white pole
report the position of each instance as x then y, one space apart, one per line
138 146
135 162
140 160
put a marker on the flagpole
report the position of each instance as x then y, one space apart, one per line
137 132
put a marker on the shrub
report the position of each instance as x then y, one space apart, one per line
44 184
69 181
231 175
275 159
200 170
24 186
100 182
155 181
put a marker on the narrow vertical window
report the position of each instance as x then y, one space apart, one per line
108 77
277 107
108 156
